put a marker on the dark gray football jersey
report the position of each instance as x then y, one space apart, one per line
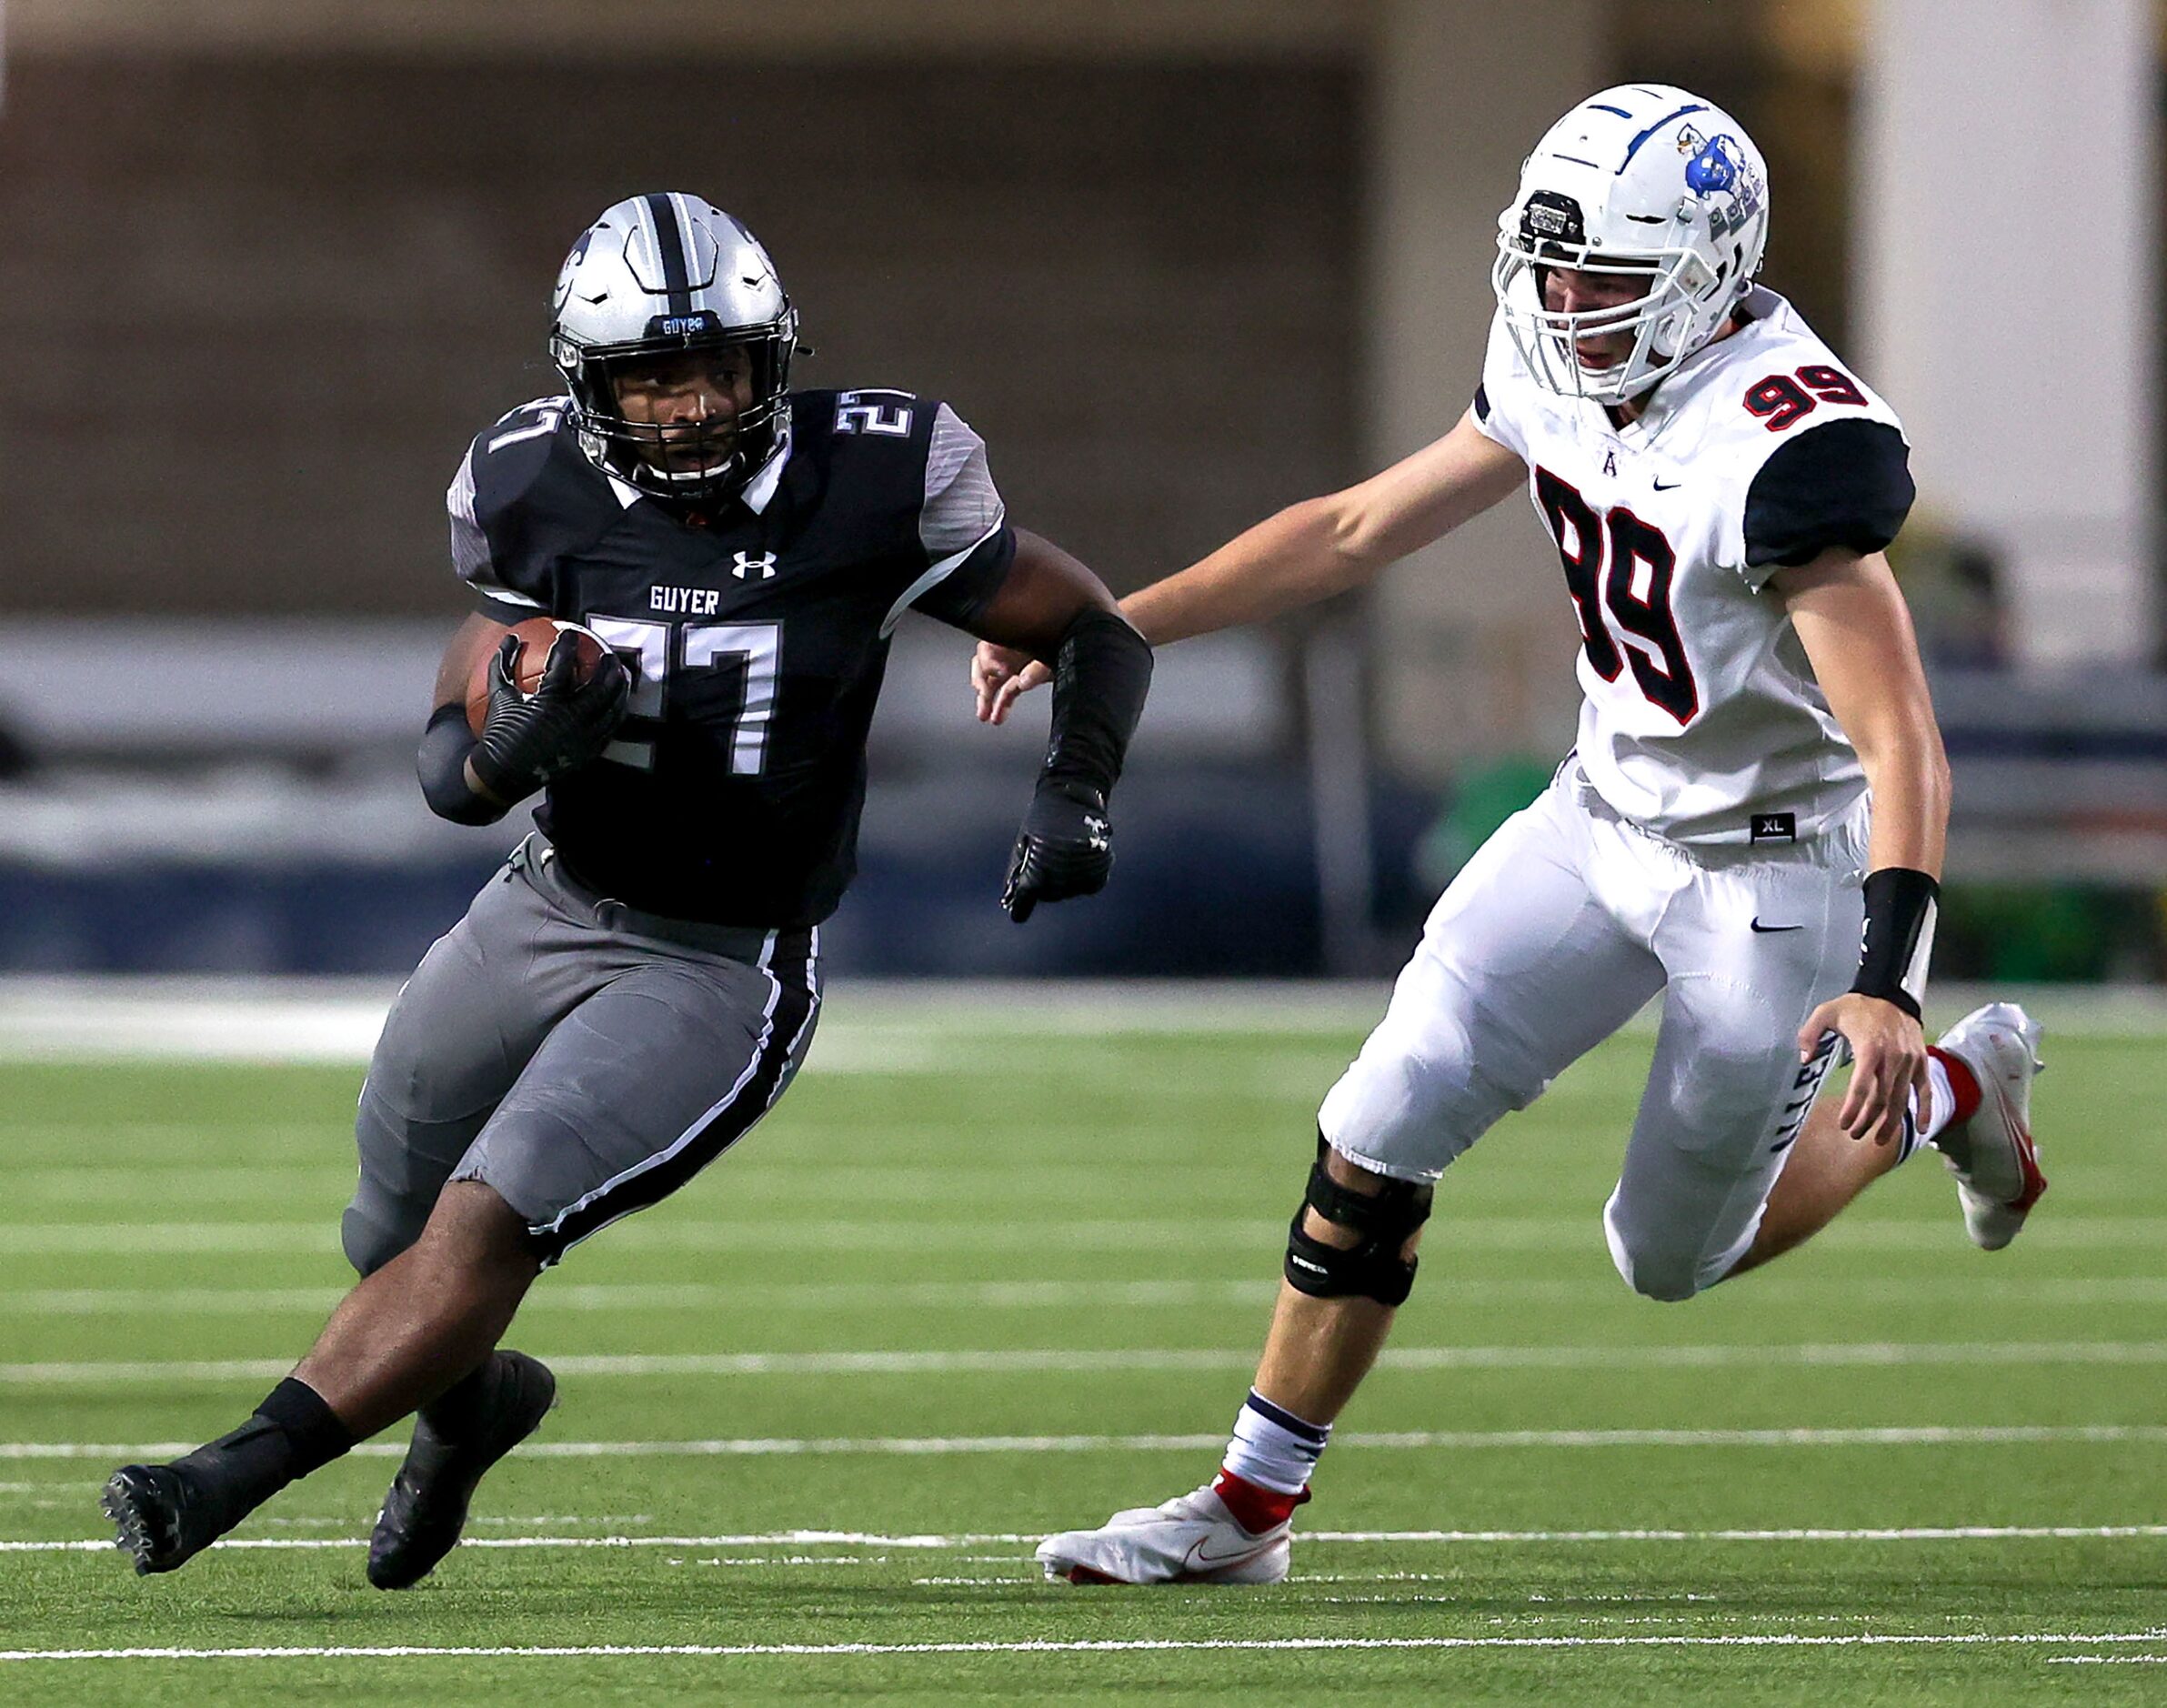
756 636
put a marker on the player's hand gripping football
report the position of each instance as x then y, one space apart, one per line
1888 1049
528 738
1066 847
999 677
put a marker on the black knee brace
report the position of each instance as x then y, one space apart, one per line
1373 1268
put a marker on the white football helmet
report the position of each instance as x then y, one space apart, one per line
1643 179
656 275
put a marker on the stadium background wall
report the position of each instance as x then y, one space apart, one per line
303 284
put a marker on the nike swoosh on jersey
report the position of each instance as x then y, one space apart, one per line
1764 930
1668 486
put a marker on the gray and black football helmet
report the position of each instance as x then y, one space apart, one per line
654 275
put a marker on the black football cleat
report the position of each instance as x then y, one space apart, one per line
427 1508
163 1519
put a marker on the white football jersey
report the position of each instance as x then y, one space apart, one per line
1702 721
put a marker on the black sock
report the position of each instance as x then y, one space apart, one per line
292 1433
313 1428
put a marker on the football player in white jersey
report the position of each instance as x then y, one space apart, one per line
1757 777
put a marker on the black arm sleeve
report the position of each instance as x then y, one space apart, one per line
442 765
960 595
1846 484
1101 672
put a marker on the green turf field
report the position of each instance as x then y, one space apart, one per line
969 1285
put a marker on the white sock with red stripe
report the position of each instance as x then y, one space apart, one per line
1956 1096
1268 1461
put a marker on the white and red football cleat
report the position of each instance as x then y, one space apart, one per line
1192 1539
1991 1152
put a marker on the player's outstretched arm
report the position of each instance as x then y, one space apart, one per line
1851 620
1307 552
1051 607
526 738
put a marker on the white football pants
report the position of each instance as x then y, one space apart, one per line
1563 925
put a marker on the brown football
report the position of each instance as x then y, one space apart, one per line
537 635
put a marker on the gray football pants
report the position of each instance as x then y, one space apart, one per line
581 1058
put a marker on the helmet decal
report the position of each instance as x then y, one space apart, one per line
1713 168
565 274
1719 170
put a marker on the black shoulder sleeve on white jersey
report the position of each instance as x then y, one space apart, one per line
1847 484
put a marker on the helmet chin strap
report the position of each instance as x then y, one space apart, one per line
655 475
703 476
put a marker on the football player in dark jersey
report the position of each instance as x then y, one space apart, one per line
639 984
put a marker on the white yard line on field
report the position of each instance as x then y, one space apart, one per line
1057 1360
1041 1295
939 1446
1017 1233
1012 1234
864 1538
870 1026
1109 1645
886 1190
685 1296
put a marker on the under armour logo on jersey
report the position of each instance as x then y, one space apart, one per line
747 563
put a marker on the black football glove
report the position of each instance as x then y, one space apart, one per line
528 738
1066 847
